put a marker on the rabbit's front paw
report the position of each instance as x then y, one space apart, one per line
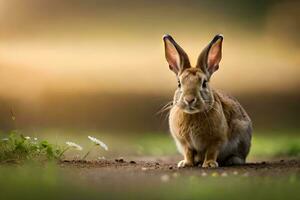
184 163
210 164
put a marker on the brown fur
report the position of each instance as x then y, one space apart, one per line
208 126
213 129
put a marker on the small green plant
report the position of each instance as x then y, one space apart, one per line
17 147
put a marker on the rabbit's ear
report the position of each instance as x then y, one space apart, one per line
175 55
211 55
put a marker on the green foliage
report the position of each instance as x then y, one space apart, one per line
292 150
275 145
17 148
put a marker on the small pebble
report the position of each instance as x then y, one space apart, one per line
165 178
235 173
175 174
203 174
101 158
215 174
224 174
144 168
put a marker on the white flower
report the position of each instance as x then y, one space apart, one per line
35 139
98 142
76 146
5 139
27 138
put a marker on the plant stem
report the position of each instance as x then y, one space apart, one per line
63 151
83 158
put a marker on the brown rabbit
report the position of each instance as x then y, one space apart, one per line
210 128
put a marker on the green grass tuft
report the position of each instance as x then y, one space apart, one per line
16 148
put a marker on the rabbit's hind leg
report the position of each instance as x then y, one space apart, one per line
233 160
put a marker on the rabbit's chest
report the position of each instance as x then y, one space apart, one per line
197 131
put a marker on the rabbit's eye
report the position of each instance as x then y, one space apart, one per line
204 84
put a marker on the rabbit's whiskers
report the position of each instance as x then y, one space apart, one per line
164 108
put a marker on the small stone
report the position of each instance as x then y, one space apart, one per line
144 168
203 174
215 174
175 174
224 174
235 173
165 178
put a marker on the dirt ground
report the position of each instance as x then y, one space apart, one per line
167 165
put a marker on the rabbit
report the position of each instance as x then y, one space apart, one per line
210 128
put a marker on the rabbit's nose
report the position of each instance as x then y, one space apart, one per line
189 100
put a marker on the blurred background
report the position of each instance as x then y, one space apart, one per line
98 65
73 68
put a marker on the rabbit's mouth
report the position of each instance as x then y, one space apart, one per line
191 109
